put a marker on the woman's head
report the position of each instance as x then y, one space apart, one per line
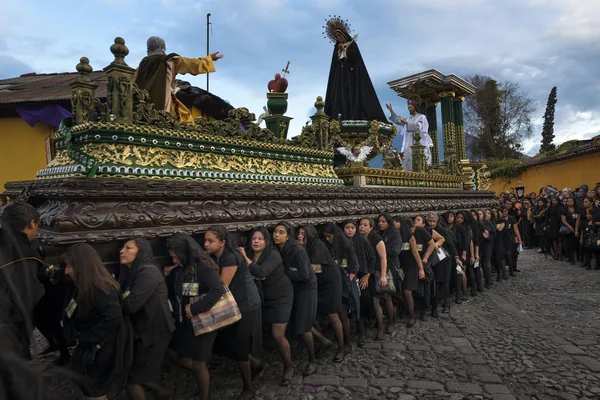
186 252
350 228
571 201
554 200
282 233
432 220
419 221
588 202
365 226
449 217
407 228
131 249
216 239
84 266
480 215
259 241
384 222
487 213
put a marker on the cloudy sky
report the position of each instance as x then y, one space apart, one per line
537 43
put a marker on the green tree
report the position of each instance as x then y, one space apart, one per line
498 117
548 129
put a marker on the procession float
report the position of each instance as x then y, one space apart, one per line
124 168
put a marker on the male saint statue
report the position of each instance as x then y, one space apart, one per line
415 122
157 72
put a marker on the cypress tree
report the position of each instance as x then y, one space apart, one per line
548 129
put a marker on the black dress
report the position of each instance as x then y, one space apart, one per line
393 248
100 330
350 92
278 292
206 284
245 336
329 277
145 300
374 239
407 259
553 221
298 268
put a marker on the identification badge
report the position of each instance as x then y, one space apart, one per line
190 289
575 216
406 246
419 247
344 263
126 294
498 226
319 269
71 307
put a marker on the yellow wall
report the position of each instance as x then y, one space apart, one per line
567 173
22 149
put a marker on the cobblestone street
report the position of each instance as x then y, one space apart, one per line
535 336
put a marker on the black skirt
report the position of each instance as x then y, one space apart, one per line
278 311
96 377
329 290
411 277
244 337
442 270
186 344
304 311
147 361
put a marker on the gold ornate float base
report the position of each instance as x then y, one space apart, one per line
365 176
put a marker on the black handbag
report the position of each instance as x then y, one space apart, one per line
434 259
592 242
391 286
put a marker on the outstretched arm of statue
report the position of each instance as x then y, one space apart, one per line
194 66
396 118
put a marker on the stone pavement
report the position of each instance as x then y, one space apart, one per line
535 336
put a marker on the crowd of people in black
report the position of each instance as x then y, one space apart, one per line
563 224
317 284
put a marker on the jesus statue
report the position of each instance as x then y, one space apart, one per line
415 122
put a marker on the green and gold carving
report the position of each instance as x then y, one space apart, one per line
120 85
83 93
389 177
139 156
449 133
431 114
461 150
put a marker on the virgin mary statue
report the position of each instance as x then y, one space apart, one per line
350 93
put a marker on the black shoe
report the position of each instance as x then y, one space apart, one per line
410 323
445 310
287 381
511 273
516 270
362 341
488 286
246 395
379 335
339 357
424 317
50 349
480 289
434 314
505 277
310 369
258 370
389 329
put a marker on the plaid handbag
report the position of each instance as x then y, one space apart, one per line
224 313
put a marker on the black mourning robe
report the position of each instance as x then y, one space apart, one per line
349 88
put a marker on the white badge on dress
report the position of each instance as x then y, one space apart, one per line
190 289
71 307
406 246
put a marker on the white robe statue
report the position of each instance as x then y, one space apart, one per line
417 121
